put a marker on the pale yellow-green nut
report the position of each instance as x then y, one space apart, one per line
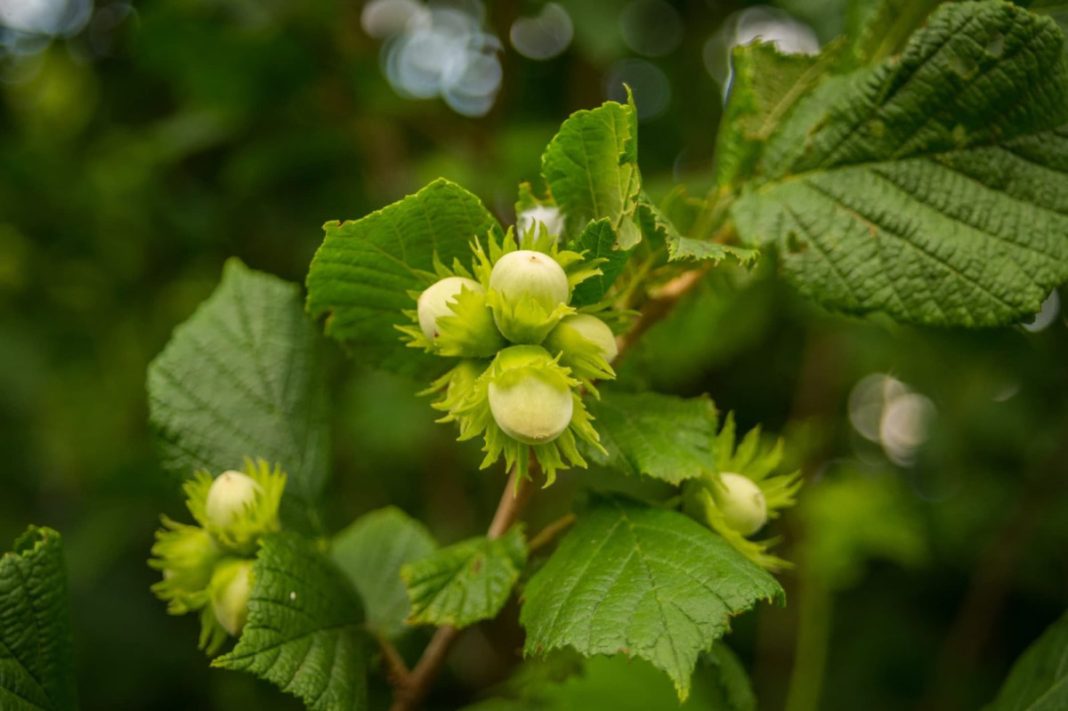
231 586
230 496
741 502
437 300
530 406
526 273
585 327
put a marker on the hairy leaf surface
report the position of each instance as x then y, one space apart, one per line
933 186
646 582
305 629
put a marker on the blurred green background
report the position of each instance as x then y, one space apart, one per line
142 144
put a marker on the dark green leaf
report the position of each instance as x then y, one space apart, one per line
360 278
36 658
371 553
305 629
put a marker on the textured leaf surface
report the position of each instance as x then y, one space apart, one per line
242 378
660 436
371 553
599 241
933 186
591 167
36 658
1039 679
645 582
360 278
305 627
465 582
878 29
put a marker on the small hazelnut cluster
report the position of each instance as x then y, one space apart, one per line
526 354
207 568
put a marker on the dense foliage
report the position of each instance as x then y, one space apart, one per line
607 309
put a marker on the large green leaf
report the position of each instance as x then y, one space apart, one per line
591 167
36 658
660 436
242 378
371 553
360 278
305 629
641 581
465 582
932 186
1039 679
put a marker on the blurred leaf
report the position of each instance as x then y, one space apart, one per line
620 684
465 582
360 278
591 167
242 378
904 188
599 241
1039 678
659 436
36 658
305 629
371 553
854 518
644 582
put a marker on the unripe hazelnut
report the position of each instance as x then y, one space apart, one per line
587 327
231 586
437 299
741 502
526 273
190 554
531 404
230 495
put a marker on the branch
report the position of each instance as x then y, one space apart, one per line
550 532
411 688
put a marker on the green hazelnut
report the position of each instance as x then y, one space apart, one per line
529 402
436 301
230 496
528 274
231 586
572 330
741 502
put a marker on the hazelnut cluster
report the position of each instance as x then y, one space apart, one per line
525 353
207 568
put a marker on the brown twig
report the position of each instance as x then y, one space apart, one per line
546 535
412 688
658 306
